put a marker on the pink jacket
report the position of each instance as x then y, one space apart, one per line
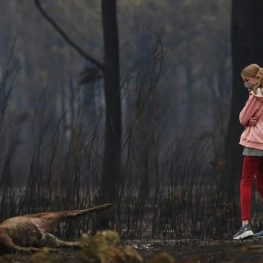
253 135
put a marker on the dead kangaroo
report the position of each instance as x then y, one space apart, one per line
28 233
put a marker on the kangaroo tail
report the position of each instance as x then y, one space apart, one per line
48 220
77 213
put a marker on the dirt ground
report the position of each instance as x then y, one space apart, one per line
185 252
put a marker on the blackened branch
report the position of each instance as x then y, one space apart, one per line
66 37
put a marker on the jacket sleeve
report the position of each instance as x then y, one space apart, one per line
249 110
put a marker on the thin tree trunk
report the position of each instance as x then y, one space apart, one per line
110 69
112 146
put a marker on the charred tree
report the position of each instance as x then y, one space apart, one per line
112 145
110 72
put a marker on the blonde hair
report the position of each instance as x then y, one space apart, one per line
254 71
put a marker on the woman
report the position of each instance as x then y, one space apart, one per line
251 117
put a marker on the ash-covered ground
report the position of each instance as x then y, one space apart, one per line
181 251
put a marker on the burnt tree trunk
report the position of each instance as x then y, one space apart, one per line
112 146
246 49
110 70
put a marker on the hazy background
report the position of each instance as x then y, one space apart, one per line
175 69
194 87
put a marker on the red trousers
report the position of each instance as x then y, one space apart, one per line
252 169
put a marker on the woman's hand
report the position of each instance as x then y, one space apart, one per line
252 121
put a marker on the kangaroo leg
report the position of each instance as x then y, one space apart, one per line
52 241
7 242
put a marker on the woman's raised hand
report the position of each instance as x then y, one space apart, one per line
252 121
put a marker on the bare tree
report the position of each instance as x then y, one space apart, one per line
110 72
112 145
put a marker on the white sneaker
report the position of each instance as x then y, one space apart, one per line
244 232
